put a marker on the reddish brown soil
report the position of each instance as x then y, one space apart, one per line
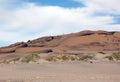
81 41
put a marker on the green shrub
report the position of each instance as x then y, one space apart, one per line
65 57
86 57
30 58
5 62
16 59
109 57
62 57
116 56
51 59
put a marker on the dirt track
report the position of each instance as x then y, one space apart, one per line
61 72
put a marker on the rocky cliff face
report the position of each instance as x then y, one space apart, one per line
81 41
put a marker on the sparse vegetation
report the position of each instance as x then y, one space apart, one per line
27 59
16 59
114 56
52 59
109 58
67 57
30 58
62 57
4 61
86 57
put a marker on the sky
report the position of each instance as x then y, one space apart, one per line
23 20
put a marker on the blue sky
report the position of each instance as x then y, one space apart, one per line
22 20
62 3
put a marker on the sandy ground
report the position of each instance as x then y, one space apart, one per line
61 72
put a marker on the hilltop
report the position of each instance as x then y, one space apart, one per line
81 41
75 43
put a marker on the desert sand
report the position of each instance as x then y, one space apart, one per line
98 43
76 71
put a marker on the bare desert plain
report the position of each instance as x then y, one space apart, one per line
70 71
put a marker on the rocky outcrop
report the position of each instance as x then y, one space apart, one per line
7 51
19 45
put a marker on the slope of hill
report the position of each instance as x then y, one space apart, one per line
75 42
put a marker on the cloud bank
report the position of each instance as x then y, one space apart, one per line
21 21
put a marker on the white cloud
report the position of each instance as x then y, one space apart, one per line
102 6
30 21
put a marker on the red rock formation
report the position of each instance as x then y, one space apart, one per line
81 41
